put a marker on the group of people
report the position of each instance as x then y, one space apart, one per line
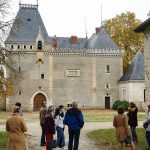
54 121
122 122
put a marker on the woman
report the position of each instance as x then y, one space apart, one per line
16 126
59 128
148 127
132 120
120 122
49 125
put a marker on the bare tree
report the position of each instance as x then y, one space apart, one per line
13 76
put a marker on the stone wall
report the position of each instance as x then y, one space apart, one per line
147 62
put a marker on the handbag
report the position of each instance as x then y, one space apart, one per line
128 141
52 144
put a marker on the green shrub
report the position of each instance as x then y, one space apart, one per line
118 103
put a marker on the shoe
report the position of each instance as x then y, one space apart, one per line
43 144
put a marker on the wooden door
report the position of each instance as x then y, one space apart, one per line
38 99
107 102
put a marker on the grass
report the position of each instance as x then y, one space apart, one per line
106 139
105 115
3 140
89 116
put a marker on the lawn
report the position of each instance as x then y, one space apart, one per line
3 140
105 115
106 139
89 116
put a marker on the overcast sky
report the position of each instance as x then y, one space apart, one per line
67 17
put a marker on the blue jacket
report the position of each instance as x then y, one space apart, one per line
74 119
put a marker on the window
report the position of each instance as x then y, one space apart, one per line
42 76
39 45
18 46
25 47
144 95
30 46
12 46
19 69
108 69
107 86
124 94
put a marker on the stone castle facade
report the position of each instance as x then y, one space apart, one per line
62 69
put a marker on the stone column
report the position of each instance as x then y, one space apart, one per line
94 81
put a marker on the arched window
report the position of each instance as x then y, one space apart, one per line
39 45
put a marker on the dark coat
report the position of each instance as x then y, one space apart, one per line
132 116
49 125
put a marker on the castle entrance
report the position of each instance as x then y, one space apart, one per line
38 99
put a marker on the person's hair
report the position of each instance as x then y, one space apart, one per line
57 112
132 104
44 104
74 104
49 111
18 104
61 106
120 110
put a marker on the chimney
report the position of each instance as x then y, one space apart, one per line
97 29
74 40
54 41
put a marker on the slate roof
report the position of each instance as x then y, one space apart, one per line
142 26
135 70
65 42
26 26
101 40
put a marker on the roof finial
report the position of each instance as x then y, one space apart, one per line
37 2
101 15
85 28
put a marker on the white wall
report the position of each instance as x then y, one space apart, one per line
134 91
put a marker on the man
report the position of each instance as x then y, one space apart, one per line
74 120
18 106
132 120
42 122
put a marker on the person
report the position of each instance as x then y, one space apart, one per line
132 120
120 122
62 111
147 133
42 122
16 126
75 121
59 128
49 125
18 105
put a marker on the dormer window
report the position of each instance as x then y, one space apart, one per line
39 45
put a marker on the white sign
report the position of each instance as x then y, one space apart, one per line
73 73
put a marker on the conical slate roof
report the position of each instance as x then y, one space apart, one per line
27 25
101 40
135 70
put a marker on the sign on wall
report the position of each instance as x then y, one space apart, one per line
72 72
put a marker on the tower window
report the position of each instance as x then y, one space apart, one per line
12 46
25 47
107 86
30 46
18 46
42 76
108 69
39 45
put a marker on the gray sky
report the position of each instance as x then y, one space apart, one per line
67 17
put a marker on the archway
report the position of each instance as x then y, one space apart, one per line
37 103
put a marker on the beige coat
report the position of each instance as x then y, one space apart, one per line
120 122
16 126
